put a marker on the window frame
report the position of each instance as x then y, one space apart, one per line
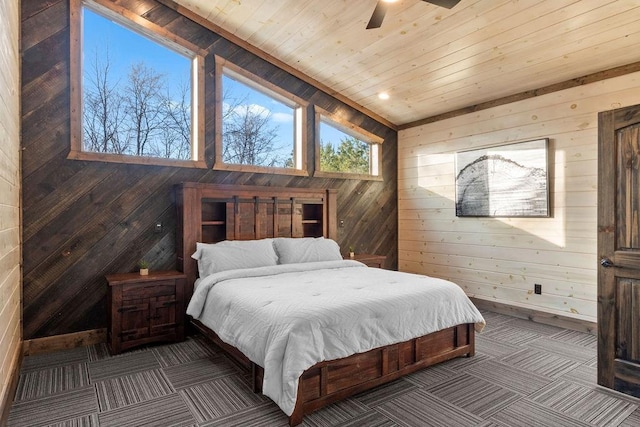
157 34
375 162
269 89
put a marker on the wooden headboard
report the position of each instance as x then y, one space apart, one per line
210 213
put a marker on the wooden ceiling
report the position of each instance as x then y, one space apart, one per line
429 59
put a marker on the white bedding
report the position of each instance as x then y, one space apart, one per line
286 318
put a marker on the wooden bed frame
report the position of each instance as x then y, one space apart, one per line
211 213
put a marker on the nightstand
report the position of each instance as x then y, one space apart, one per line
370 260
145 309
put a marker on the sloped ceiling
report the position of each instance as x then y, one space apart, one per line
432 60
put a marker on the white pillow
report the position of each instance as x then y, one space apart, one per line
234 254
306 249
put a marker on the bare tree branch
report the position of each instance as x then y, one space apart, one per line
143 106
102 107
249 137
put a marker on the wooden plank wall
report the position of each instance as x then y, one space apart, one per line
500 259
83 219
9 196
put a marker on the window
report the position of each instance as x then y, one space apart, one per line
345 149
263 127
138 96
137 91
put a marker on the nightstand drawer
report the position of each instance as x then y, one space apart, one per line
141 304
146 290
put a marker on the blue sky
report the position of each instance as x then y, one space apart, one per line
127 48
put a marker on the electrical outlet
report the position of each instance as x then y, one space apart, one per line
341 224
537 289
158 227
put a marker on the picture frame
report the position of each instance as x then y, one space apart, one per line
510 180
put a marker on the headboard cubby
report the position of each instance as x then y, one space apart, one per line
210 213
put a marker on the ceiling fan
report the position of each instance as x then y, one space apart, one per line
381 10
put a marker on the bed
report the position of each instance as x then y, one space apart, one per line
284 219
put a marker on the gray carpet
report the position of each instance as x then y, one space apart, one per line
523 374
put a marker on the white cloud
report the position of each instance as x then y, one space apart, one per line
242 109
282 117
256 109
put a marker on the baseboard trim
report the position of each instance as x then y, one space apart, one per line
14 375
537 316
63 342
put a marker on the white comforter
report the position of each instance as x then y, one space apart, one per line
286 318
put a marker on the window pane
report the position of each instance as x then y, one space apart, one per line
343 152
136 93
257 129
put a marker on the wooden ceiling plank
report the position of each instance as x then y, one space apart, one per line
491 55
288 17
432 41
543 73
615 92
323 17
462 48
221 14
417 38
499 82
236 21
274 18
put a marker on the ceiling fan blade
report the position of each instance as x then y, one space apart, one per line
378 15
443 3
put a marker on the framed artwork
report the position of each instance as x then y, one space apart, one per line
504 181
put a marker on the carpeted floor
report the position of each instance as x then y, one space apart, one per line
523 374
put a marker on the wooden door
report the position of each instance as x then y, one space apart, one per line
619 249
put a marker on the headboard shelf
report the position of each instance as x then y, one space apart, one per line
210 213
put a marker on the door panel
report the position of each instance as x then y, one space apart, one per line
627 203
619 249
628 308
135 325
